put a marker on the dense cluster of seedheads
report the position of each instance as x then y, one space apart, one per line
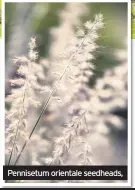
52 105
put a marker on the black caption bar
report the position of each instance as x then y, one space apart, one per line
64 172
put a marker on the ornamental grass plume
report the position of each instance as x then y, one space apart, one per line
22 98
79 69
69 19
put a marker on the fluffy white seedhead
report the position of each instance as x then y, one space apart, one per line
76 62
109 97
77 58
33 55
22 98
69 18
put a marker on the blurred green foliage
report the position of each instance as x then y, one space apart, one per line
46 16
133 20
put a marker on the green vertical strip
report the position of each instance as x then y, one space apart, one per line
133 20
